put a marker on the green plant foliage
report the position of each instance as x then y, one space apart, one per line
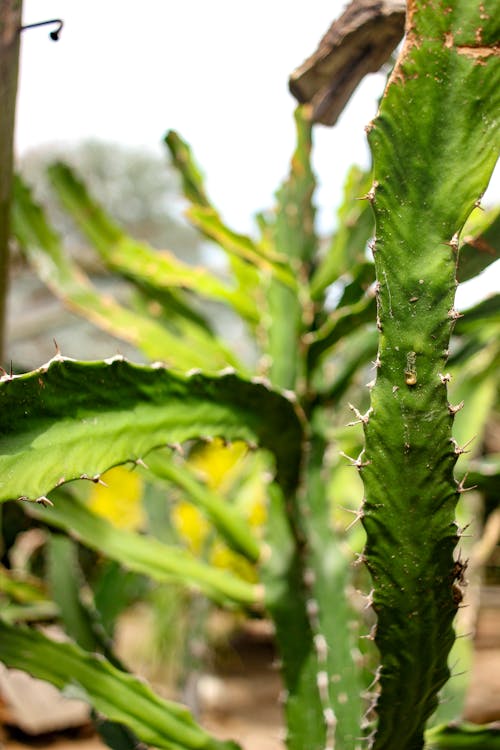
134 260
118 695
313 308
87 417
43 248
142 555
462 735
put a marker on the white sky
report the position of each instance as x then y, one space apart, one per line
215 70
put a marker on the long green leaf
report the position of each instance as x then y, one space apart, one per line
349 241
341 323
117 695
135 260
43 248
143 554
80 623
466 736
183 160
209 222
481 245
294 238
69 419
65 583
246 274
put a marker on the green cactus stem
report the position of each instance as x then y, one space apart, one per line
432 162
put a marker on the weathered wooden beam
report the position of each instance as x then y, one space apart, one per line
360 41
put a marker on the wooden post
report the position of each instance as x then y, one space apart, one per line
10 24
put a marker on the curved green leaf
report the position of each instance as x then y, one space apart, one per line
117 695
342 322
69 419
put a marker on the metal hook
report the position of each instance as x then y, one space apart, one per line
54 35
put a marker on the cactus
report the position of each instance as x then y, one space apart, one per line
428 177
434 145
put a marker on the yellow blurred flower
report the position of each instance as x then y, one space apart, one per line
216 462
191 524
120 501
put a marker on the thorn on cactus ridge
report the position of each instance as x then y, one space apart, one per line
461 449
361 418
461 532
96 479
312 608
359 514
461 488
371 635
468 634
376 677
44 501
369 599
331 723
453 243
370 195
309 577
454 314
177 448
360 559
140 462
454 409
357 462
322 685
444 378
321 648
